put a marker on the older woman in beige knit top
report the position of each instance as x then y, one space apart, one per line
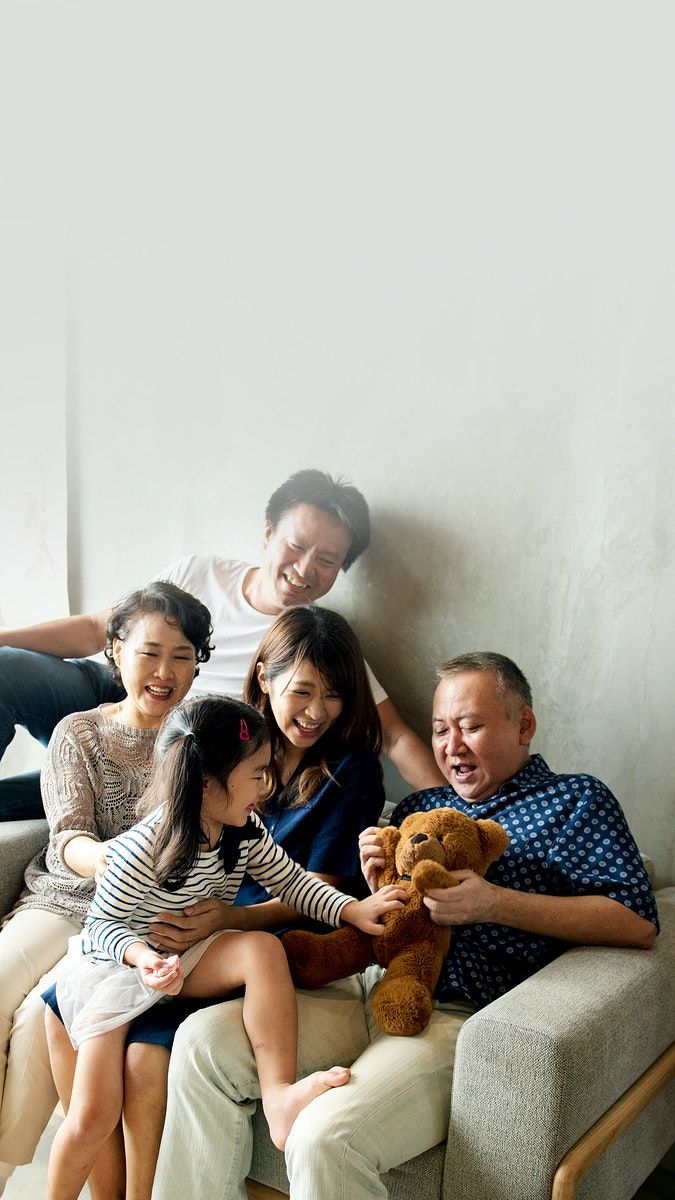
98 765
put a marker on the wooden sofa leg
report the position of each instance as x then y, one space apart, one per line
260 1191
609 1127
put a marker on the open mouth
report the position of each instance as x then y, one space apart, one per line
295 584
159 693
306 729
463 771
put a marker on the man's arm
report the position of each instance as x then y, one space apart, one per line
584 920
68 637
410 756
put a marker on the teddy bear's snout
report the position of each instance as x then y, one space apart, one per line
418 847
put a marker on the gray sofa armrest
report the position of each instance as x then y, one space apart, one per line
536 1068
19 842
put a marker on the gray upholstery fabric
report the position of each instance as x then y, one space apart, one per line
537 1067
19 842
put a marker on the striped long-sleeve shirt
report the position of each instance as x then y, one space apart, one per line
129 898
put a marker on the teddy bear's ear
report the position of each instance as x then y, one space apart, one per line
493 840
390 840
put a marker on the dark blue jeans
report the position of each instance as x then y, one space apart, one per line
36 691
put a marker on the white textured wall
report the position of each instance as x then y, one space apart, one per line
430 246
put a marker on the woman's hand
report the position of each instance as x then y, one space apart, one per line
176 932
86 856
366 914
162 974
371 855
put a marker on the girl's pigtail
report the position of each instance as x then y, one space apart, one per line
180 784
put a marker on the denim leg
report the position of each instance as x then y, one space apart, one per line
36 691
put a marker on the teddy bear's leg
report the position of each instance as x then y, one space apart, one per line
319 958
402 1001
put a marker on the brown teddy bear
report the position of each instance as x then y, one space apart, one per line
418 856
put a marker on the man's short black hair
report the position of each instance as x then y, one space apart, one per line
335 496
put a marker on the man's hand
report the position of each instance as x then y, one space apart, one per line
473 900
176 932
371 855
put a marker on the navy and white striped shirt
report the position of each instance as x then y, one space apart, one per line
128 898
568 837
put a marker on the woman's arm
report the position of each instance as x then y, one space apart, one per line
177 931
85 856
67 637
69 781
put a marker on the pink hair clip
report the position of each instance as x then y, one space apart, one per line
244 735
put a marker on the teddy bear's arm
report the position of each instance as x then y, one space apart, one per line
428 874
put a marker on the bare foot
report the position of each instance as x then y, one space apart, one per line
283 1103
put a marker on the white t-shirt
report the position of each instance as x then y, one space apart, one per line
237 627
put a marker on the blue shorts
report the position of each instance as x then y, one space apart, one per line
158 1025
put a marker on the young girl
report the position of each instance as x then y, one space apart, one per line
213 761
97 767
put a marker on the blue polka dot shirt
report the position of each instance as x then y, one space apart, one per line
568 837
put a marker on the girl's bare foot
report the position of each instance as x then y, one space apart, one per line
283 1103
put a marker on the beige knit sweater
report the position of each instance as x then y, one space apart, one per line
95 772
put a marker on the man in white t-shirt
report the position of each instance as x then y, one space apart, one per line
314 526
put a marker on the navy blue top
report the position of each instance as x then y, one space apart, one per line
568 837
323 834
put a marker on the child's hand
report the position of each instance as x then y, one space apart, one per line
162 974
366 914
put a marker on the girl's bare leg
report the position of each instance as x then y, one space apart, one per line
270 1015
93 1113
146 1067
107 1179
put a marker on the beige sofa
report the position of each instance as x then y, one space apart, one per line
534 1072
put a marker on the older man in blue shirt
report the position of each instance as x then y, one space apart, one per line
571 874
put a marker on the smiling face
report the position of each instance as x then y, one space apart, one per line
232 803
303 705
303 555
157 664
480 738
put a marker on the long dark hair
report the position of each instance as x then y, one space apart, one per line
179 608
206 735
324 639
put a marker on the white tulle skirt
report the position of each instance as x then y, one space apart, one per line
95 997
